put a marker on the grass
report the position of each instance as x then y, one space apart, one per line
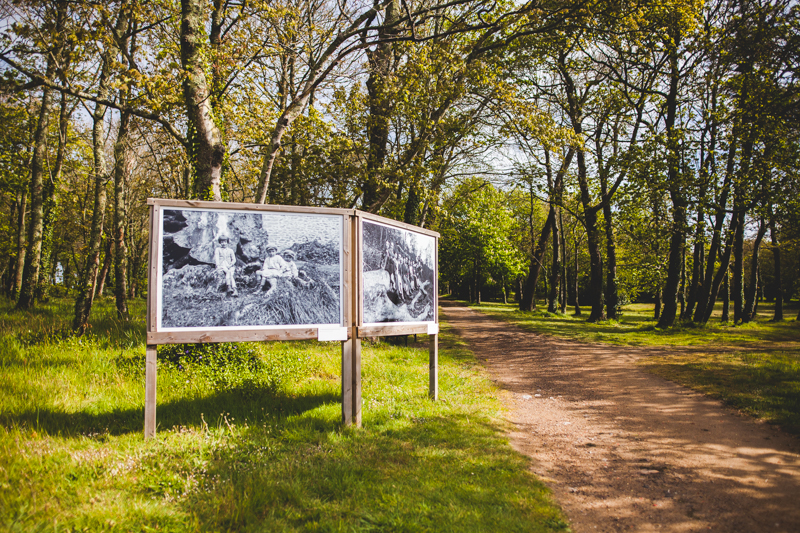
753 367
250 441
636 327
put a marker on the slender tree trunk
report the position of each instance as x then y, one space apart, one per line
698 261
564 282
33 255
682 289
722 272
577 288
85 298
776 259
657 309
612 295
749 311
21 244
121 153
528 301
710 288
207 150
593 242
737 280
103 276
555 272
726 297
51 200
381 65
590 212
678 231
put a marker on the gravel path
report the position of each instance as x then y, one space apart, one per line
624 450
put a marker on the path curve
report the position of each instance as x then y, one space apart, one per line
624 450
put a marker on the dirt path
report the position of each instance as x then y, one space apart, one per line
624 450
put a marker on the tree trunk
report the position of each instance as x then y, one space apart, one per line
708 292
563 293
85 298
776 259
207 148
737 279
381 66
577 267
612 296
698 261
528 301
726 297
33 255
657 309
121 162
593 242
682 289
749 311
103 276
51 201
555 271
675 185
21 248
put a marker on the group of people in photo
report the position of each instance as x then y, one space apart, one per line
405 273
276 266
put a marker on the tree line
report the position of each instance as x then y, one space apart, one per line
619 149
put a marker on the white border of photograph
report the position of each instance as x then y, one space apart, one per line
434 288
277 327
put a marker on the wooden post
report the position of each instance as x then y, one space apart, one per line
347 381
433 368
351 348
150 392
356 386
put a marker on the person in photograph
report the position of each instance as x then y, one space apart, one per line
274 267
406 273
298 277
387 264
225 261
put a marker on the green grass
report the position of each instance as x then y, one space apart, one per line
763 384
637 327
254 444
753 367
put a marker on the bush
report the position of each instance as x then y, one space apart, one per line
228 367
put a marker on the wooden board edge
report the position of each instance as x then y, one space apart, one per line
389 330
188 337
241 206
396 223
152 271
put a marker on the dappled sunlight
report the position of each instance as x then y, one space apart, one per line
636 327
628 450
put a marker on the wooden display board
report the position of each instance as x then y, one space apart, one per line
286 273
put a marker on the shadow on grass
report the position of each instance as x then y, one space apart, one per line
637 327
413 474
253 404
765 385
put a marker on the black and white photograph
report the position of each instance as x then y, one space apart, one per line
239 269
399 268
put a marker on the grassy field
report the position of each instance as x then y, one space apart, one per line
249 437
753 367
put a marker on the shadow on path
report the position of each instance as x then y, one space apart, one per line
624 450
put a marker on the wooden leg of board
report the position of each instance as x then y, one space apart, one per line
150 391
347 381
433 368
357 382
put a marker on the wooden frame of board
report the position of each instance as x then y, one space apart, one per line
349 332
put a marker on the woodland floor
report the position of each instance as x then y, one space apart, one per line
625 450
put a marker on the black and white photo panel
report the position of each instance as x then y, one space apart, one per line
226 269
399 269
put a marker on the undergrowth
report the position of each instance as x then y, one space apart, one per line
249 437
